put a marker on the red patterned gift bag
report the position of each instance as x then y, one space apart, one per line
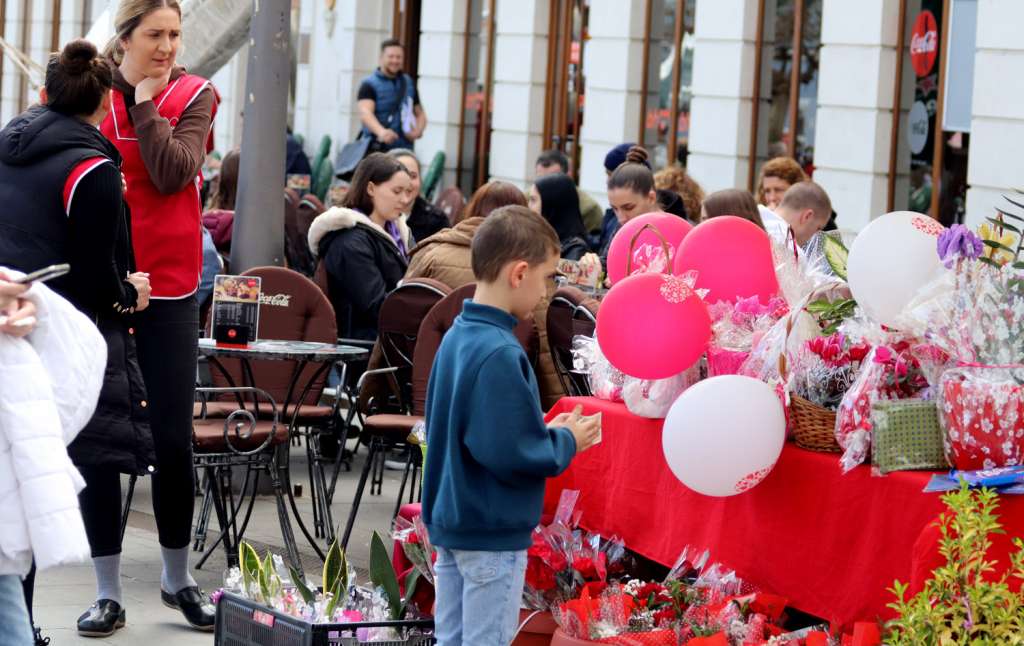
981 409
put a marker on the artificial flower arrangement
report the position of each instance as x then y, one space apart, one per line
697 603
335 599
564 559
974 313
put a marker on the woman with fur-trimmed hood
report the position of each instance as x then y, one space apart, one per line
364 244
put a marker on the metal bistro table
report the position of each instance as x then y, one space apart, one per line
303 353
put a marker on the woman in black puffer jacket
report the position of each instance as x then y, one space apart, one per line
61 188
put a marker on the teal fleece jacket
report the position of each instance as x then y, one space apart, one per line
488 448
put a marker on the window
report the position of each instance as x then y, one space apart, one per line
930 99
406 29
786 82
563 109
667 77
477 85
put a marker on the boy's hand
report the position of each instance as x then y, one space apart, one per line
565 419
587 431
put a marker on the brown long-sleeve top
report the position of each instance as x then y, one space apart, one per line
173 156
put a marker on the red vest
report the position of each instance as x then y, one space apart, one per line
166 229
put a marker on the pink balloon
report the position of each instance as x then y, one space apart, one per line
653 326
732 257
647 253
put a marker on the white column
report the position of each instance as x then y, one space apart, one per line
855 100
344 48
997 123
725 37
520 70
613 69
12 77
230 83
442 39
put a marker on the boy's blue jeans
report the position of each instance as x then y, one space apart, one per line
15 629
478 596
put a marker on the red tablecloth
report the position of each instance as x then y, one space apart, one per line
831 543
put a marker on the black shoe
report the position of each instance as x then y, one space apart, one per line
40 640
197 609
100 620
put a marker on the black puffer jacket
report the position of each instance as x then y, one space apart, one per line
38 151
425 219
363 263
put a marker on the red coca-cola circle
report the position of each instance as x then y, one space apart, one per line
232 333
924 43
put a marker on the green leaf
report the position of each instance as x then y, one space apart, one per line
334 567
1018 204
265 574
1003 225
411 581
249 563
989 262
1010 215
382 574
1018 265
337 593
300 585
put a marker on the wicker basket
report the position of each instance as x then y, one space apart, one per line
813 426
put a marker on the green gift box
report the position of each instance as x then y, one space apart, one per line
906 436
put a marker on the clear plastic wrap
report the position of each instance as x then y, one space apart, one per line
653 399
981 410
606 381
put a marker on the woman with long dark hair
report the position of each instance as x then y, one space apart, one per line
631 193
78 217
555 198
161 122
364 244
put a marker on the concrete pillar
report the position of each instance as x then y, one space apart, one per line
723 76
520 70
230 83
613 69
12 78
855 101
442 39
997 123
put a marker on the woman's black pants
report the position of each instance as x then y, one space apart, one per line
166 336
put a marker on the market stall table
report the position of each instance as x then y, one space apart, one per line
830 543
303 353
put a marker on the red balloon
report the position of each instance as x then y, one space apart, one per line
647 253
732 257
653 326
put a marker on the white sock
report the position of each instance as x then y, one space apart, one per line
108 577
175 576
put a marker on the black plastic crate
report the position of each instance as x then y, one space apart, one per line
241 622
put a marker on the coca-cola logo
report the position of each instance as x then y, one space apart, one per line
924 43
276 300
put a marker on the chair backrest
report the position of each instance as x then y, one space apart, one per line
401 314
321 181
296 243
432 175
570 314
436 324
292 308
451 202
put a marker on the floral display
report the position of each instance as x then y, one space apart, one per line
605 380
564 559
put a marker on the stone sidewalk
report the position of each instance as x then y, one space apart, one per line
63 594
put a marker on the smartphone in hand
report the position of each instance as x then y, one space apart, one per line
44 274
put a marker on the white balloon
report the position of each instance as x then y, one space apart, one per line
891 260
724 435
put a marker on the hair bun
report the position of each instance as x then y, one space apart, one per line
637 155
77 57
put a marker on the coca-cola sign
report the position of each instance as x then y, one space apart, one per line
276 300
924 43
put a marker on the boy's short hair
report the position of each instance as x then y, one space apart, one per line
509 234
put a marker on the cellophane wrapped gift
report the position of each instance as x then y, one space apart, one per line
647 398
736 329
605 380
982 414
888 372
906 436
975 314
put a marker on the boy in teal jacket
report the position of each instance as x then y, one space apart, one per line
490 449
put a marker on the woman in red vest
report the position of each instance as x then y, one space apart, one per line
161 121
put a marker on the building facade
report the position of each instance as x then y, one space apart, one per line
889 104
